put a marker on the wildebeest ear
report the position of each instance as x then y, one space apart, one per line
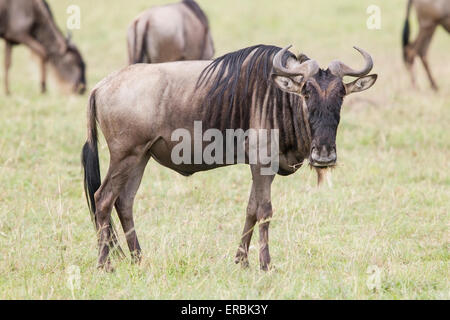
287 84
361 84
302 57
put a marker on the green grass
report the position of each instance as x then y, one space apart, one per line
389 206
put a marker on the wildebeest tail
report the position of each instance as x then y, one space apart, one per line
131 41
198 12
91 167
406 29
89 158
137 34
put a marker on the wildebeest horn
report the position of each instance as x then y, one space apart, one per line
305 69
340 69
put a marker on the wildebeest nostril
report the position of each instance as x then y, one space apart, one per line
332 156
314 153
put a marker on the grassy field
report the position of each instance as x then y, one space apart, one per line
388 210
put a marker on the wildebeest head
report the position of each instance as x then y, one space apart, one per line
71 69
322 92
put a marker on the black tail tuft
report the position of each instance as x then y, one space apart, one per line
406 30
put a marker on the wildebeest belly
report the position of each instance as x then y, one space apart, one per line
162 152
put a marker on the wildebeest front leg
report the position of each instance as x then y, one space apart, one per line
262 185
33 44
39 50
8 51
250 221
259 209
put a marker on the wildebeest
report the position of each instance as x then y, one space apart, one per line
30 22
173 32
260 87
431 14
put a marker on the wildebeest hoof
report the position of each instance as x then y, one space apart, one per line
136 259
107 267
241 257
267 268
244 262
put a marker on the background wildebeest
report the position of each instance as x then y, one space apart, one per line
260 87
173 32
30 22
431 14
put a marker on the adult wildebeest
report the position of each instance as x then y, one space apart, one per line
431 14
261 88
31 23
173 32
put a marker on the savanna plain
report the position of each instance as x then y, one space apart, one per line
381 231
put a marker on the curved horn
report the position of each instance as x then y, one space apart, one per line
340 69
305 69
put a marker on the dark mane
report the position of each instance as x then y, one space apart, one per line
191 4
239 80
232 85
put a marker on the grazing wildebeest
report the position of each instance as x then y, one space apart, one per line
262 87
173 32
30 22
431 14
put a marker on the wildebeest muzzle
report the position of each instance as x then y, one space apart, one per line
323 156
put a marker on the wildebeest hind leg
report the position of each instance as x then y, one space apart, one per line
421 46
124 208
250 221
43 76
423 51
428 71
105 197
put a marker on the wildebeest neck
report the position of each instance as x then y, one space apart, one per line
241 95
46 30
